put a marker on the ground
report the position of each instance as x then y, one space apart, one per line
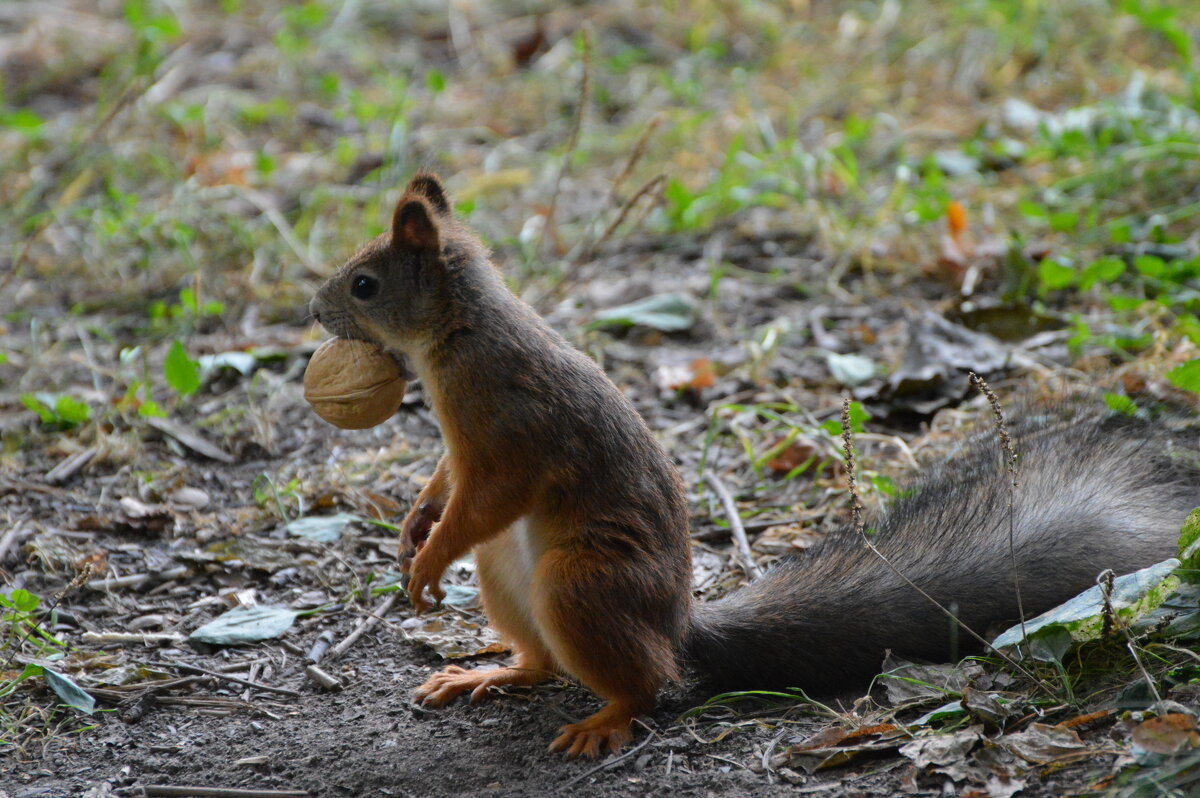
744 212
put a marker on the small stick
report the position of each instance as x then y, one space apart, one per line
328 681
639 150
654 183
136 580
735 525
1105 580
225 677
146 638
173 791
1011 455
324 641
857 507
715 533
14 534
363 626
70 466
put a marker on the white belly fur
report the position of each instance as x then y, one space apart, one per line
506 566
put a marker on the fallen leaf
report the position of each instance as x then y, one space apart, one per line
663 312
942 749
321 528
71 694
245 625
1166 734
801 450
1042 744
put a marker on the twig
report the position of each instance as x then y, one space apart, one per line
70 466
585 90
363 626
608 763
11 537
735 525
225 677
1105 581
654 183
173 791
136 580
319 648
856 505
639 150
1011 457
719 532
146 638
326 680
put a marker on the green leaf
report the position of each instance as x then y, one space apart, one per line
1050 643
33 403
70 693
71 410
1102 270
8 686
1150 265
24 601
1186 376
858 416
1053 275
22 120
150 409
1120 404
435 80
1064 221
57 409
1189 547
245 625
1083 616
182 373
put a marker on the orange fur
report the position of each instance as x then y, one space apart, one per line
576 516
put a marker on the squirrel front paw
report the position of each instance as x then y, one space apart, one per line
414 530
424 573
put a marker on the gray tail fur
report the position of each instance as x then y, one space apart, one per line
1094 493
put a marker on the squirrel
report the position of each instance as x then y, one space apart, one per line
579 523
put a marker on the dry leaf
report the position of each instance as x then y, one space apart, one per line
1166 734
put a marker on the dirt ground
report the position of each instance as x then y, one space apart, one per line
369 738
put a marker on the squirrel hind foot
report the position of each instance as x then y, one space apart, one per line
446 685
608 728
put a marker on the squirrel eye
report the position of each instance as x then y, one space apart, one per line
364 287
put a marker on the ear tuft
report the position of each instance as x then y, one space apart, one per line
413 226
428 186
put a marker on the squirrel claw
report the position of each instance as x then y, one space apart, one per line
586 737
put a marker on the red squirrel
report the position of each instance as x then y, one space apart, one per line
579 524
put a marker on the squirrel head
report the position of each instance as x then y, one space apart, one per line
398 290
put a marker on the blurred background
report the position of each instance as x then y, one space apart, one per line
239 150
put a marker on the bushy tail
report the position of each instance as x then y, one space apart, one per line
1094 494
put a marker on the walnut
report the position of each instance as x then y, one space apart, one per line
353 384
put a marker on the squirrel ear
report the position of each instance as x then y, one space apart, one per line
429 187
412 226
